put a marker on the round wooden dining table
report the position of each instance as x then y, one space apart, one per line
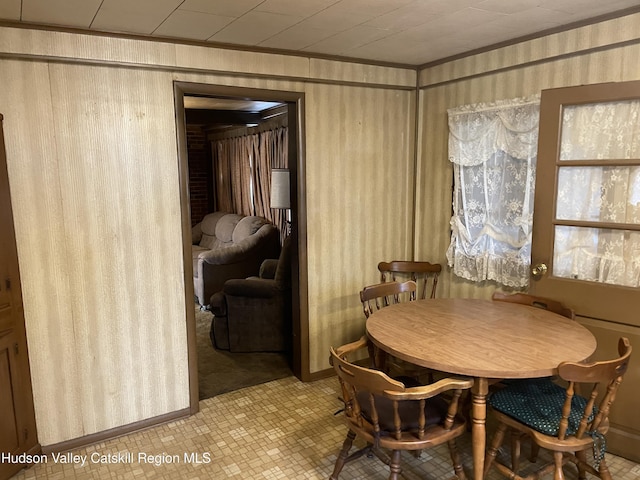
483 339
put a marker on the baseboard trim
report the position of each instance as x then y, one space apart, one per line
326 373
112 433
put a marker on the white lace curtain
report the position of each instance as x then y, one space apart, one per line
605 194
493 149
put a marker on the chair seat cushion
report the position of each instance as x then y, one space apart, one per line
538 404
435 411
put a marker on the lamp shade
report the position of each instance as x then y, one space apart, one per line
280 197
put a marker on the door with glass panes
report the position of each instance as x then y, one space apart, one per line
586 231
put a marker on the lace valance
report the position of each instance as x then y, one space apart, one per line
478 131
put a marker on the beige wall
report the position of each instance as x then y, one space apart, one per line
92 157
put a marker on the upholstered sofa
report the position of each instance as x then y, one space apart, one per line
227 245
254 314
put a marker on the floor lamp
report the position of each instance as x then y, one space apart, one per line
281 194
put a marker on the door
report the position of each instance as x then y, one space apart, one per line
586 226
17 419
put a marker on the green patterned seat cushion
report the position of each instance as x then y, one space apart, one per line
510 381
538 404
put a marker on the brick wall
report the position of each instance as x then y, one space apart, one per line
200 181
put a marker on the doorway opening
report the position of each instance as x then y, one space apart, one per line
219 108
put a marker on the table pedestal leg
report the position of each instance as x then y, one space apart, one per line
478 425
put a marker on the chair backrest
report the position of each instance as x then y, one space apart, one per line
425 275
604 378
379 404
375 297
533 301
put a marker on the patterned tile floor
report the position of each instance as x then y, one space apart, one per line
283 429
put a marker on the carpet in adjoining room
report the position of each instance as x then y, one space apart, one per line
220 371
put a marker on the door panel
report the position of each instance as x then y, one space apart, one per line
622 438
8 429
17 417
586 226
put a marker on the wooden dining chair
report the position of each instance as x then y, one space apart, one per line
386 414
376 297
533 301
558 419
538 302
380 295
425 275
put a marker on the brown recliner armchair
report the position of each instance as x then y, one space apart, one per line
254 314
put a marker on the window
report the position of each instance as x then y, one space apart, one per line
493 149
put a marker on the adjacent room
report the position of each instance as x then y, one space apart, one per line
199 198
234 146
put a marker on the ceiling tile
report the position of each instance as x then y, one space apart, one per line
449 24
419 13
225 8
72 13
10 9
305 8
534 20
401 19
298 37
391 50
194 25
348 40
330 18
254 28
371 8
500 6
141 16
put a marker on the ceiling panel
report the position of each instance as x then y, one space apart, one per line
193 25
217 103
10 9
349 39
72 13
301 35
254 27
226 8
141 16
296 8
410 32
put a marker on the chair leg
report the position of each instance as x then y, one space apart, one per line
535 450
582 457
372 354
515 450
558 474
455 459
493 449
394 465
604 470
342 456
